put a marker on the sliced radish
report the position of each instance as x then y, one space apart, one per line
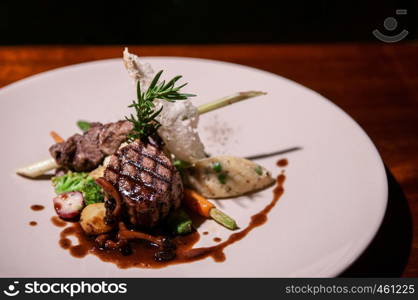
69 205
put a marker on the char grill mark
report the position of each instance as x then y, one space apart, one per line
148 182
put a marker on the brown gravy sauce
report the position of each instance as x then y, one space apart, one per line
217 240
142 255
37 207
282 163
33 223
57 221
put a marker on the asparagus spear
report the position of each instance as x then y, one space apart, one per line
38 169
179 222
223 219
228 100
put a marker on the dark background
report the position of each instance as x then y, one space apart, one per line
198 22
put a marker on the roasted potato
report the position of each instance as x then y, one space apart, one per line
92 219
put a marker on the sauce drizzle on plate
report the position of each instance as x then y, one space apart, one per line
57 221
282 162
37 207
142 253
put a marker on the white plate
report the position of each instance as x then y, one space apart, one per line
335 192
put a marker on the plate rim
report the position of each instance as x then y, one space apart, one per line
372 231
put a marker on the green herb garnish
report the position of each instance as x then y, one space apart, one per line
222 178
144 120
259 170
181 164
217 167
179 222
83 125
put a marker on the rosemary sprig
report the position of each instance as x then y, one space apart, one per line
144 120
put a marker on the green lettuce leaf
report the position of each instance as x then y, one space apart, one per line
81 182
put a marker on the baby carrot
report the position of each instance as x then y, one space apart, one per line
203 207
57 138
197 203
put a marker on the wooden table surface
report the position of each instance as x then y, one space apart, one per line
377 84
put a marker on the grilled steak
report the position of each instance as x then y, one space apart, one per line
85 152
147 181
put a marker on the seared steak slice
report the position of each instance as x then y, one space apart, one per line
147 180
85 152
87 155
112 135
